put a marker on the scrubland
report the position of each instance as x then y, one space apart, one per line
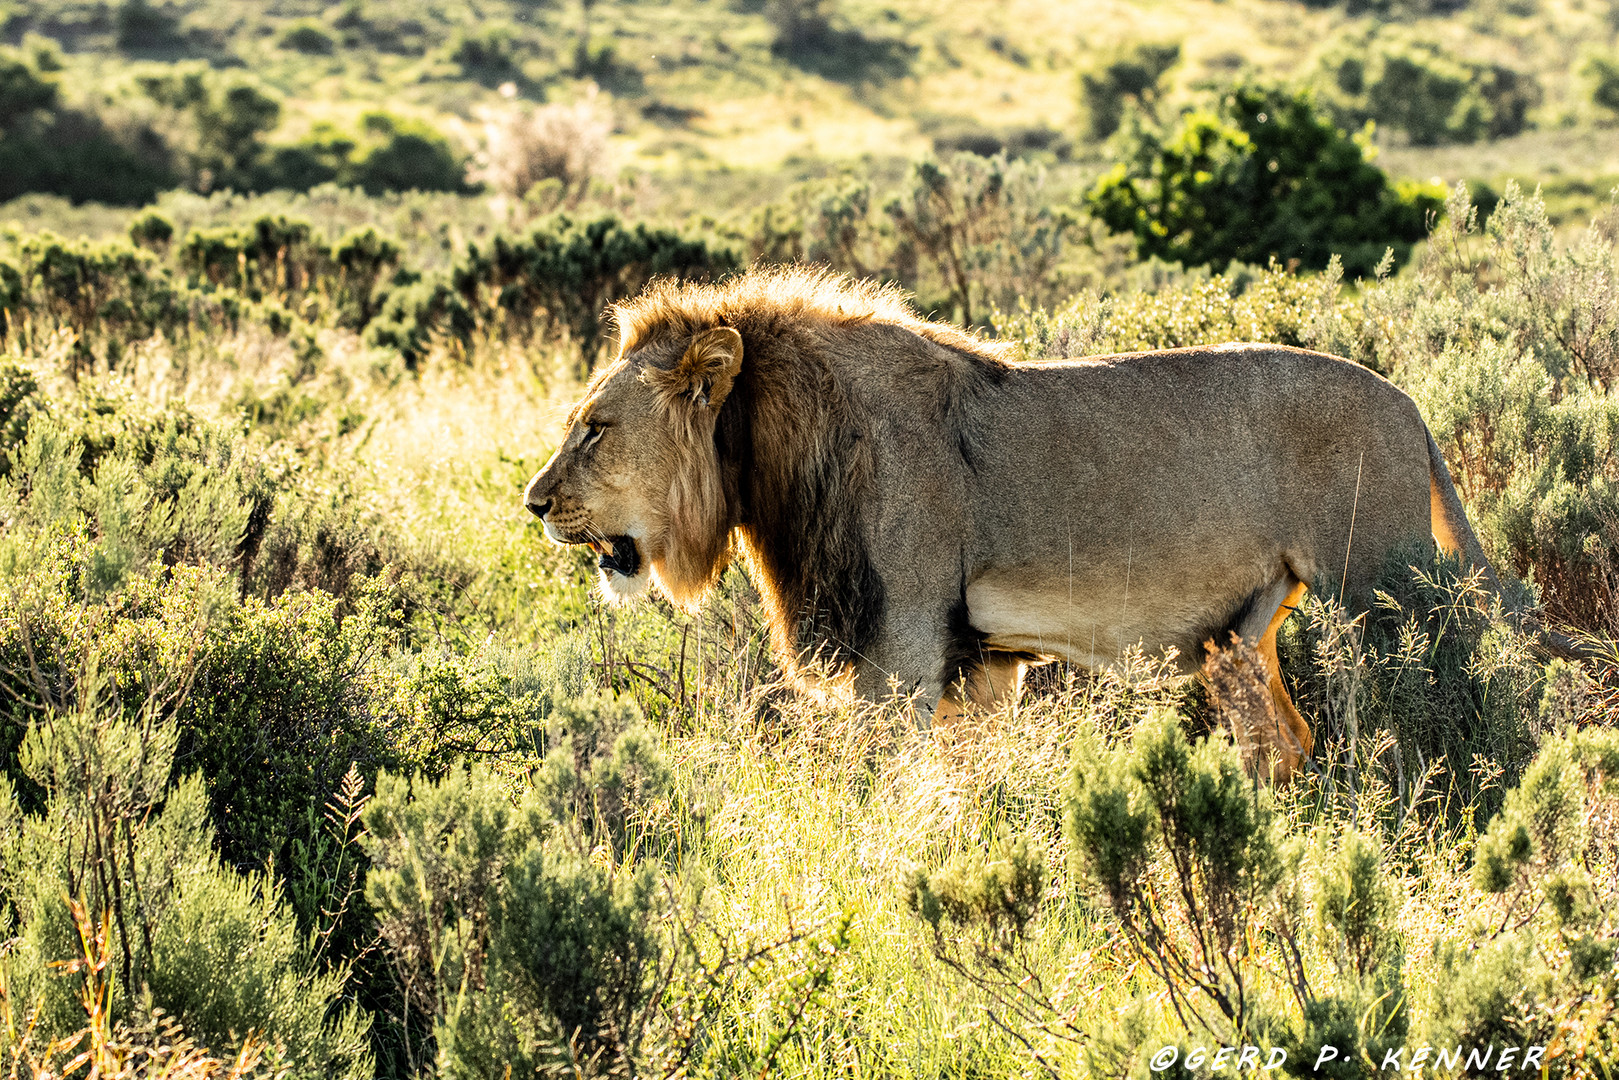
320 761
317 760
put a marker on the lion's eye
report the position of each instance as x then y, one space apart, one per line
593 431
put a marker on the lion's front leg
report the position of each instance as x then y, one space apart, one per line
994 681
906 662
943 679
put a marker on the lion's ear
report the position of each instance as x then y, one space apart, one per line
706 370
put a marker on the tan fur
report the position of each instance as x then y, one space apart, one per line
917 510
698 539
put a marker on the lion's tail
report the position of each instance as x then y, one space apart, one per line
1455 534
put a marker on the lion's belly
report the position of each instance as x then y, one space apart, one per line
1089 626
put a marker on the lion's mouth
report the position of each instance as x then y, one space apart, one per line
618 554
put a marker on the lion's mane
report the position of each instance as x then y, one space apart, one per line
789 467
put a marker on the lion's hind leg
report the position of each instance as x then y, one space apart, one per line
1278 745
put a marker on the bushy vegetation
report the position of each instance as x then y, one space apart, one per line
556 278
1414 87
1263 175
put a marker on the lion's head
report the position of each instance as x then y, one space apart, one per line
637 476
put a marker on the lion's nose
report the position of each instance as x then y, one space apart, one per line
539 509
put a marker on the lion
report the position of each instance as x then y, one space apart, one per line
918 509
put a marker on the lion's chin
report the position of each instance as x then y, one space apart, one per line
618 588
623 571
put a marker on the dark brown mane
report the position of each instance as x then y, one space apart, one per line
770 302
792 447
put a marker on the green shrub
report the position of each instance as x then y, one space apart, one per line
413 316
1538 468
1409 700
309 38
12 294
320 157
1604 76
1131 78
491 54
1411 85
20 399
1507 339
273 255
524 950
1261 176
559 277
151 230
45 147
404 155
226 117
215 950
1241 305
1539 968
110 294
109 504
143 28
982 227
1164 816
388 154
363 257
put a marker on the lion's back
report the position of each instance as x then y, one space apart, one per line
1180 460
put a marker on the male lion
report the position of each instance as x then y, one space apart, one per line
914 506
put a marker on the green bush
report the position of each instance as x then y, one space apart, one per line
1190 309
404 155
1508 340
151 230
274 255
309 38
1538 468
491 54
1604 76
1411 698
982 227
141 27
1164 814
20 399
45 147
226 120
363 256
526 952
108 505
1538 969
388 154
559 277
1131 78
413 316
1262 176
323 156
216 951
1412 86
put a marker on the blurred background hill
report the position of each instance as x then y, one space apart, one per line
718 106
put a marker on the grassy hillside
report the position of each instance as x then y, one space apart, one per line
723 86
